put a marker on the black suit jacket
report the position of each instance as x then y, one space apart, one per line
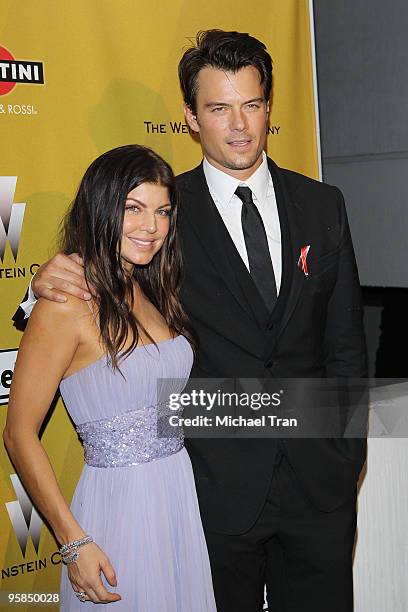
315 330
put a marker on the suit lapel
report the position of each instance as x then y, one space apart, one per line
293 279
207 223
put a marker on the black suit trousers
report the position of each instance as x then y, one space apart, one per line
302 554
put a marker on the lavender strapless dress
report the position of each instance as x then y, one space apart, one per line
136 494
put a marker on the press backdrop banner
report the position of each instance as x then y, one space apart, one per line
76 79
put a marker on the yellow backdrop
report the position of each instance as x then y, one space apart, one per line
110 78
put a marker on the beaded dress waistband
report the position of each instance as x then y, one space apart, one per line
131 438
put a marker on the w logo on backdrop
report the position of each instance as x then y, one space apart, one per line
24 517
11 216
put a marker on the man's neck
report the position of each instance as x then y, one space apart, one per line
241 175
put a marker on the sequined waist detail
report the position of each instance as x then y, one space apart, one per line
130 438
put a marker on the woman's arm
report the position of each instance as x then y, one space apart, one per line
46 351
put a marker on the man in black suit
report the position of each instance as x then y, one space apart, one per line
272 290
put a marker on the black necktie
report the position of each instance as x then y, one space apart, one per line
260 263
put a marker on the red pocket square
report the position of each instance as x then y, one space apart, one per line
302 264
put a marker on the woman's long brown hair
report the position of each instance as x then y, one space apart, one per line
93 228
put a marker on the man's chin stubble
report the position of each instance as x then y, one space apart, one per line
240 164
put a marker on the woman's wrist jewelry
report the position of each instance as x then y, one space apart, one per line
75 544
69 552
69 558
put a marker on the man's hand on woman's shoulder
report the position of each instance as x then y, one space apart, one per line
60 275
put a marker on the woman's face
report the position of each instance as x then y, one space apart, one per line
146 224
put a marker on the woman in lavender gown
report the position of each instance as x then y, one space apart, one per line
132 537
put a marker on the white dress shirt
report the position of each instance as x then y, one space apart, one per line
222 188
29 304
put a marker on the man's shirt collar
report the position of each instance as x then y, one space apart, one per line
222 186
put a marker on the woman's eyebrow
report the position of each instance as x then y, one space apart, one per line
144 205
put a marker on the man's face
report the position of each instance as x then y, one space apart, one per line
231 119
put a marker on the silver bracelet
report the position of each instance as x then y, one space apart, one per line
70 558
69 552
75 544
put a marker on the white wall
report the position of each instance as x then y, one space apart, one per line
381 553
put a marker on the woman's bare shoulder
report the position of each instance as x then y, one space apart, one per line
71 312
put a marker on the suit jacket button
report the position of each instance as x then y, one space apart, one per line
269 363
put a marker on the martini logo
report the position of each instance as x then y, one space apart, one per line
18 71
11 216
24 517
